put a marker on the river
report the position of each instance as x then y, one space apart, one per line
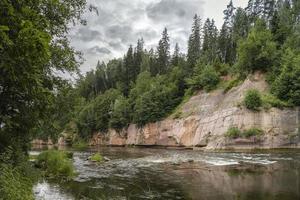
148 173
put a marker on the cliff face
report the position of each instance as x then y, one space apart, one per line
207 116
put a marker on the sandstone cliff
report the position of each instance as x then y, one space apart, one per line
207 116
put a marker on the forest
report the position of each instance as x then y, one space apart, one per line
148 85
145 85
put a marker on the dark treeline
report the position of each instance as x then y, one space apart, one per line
147 85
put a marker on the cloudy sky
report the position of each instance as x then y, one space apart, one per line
120 23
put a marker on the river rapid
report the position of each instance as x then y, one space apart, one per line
148 173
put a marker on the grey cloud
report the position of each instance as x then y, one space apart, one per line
174 10
147 34
86 35
99 50
119 31
115 45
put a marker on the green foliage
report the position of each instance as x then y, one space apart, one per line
16 179
231 84
96 157
194 44
14 185
287 85
233 133
269 101
80 144
253 100
95 115
204 78
252 132
55 164
163 54
156 102
258 51
120 114
33 48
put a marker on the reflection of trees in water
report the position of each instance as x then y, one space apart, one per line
246 181
143 185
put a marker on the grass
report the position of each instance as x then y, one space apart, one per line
269 101
96 157
80 145
55 164
32 157
14 184
231 84
234 133
252 132
16 178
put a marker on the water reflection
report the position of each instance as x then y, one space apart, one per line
173 174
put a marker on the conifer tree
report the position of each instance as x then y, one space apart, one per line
226 43
210 36
163 53
138 56
176 55
194 43
129 69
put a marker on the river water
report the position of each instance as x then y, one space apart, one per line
147 173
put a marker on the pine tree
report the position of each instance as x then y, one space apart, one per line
152 62
226 43
282 22
138 57
101 83
129 69
176 55
256 9
194 43
210 45
228 14
241 25
269 9
163 53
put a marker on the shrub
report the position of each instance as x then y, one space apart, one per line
252 99
269 101
230 84
233 132
96 157
55 164
252 132
204 78
120 113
